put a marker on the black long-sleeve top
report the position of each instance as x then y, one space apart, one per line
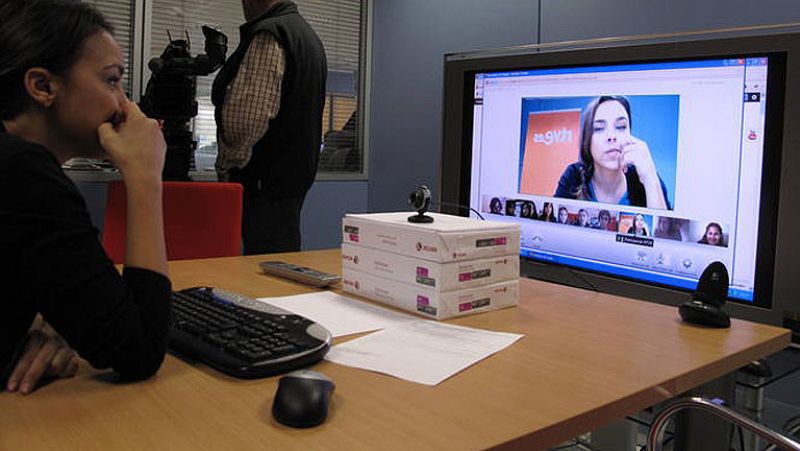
52 262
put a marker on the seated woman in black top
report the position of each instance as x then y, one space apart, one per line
61 97
615 167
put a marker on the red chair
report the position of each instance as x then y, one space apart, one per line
201 220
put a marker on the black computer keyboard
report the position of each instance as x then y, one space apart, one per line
243 337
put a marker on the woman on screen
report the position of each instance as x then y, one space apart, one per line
563 215
713 235
547 212
615 167
583 218
496 206
528 210
61 97
639 227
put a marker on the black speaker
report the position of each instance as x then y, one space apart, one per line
704 306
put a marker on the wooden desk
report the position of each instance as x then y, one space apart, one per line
586 359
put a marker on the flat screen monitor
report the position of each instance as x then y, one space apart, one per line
639 164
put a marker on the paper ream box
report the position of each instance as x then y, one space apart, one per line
428 274
447 239
431 303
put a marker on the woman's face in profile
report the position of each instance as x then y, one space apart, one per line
610 131
526 210
92 93
547 209
639 222
713 235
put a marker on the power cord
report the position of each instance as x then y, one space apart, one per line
572 443
459 206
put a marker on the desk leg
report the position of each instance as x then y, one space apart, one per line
700 431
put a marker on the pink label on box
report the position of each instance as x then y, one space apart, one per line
465 277
423 300
501 241
464 307
354 237
423 272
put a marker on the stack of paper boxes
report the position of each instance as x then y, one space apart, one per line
451 267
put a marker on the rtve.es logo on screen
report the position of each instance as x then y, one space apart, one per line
550 137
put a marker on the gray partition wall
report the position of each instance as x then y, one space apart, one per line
409 41
563 20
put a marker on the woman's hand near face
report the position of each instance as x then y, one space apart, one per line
637 153
136 145
137 148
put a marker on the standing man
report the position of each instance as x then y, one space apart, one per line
269 98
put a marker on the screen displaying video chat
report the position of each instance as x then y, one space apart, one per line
648 171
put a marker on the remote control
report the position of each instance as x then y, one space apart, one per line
299 273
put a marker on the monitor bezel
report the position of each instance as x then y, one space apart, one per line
460 70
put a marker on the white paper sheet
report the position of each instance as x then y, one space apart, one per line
426 352
339 314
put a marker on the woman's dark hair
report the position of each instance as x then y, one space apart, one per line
547 215
531 210
565 211
587 130
40 33
721 242
632 229
495 206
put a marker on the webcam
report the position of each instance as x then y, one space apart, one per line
705 305
420 200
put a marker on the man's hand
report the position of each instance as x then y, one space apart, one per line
45 354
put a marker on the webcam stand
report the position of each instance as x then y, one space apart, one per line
420 199
420 218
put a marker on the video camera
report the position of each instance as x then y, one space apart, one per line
171 92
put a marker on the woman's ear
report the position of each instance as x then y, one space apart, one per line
41 85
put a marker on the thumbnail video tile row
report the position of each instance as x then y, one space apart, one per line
631 223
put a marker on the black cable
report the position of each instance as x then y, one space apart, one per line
792 425
463 207
638 421
574 442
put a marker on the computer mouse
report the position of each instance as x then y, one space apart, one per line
302 399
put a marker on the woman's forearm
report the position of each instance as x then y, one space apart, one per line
145 246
